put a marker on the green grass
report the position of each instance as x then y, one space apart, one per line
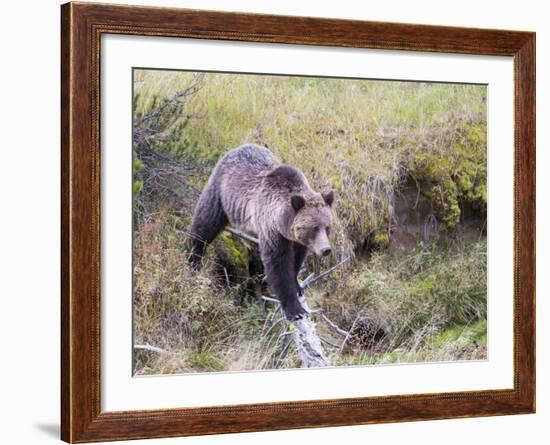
476 333
351 135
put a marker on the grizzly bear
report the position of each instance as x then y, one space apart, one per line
250 189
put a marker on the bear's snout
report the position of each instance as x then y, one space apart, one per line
322 249
321 244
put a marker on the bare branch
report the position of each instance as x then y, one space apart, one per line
269 299
312 279
243 235
147 347
166 178
333 325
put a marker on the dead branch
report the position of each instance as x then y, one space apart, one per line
269 299
243 235
312 279
147 347
165 176
334 327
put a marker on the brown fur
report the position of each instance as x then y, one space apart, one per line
250 189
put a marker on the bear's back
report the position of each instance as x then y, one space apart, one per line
249 158
286 179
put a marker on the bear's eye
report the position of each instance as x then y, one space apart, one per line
328 230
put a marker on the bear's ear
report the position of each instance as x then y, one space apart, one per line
297 201
328 197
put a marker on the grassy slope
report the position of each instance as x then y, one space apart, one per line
352 135
362 138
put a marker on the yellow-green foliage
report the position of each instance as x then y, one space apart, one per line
360 137
233 253
474 333
456 172
381 240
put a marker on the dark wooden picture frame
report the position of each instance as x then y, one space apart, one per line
82 26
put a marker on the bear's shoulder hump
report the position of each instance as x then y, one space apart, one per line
287 175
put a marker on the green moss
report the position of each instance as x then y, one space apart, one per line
381 240
138 165
456 174
232 254
137 187
468 334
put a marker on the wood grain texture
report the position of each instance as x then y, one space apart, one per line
81 28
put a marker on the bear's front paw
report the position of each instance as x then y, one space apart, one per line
295 311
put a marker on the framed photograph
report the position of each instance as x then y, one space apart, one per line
274 222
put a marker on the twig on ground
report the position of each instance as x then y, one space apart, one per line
147 347
227 282
346 338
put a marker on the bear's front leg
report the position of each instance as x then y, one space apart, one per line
280 271
300 253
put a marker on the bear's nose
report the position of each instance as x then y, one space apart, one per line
326 251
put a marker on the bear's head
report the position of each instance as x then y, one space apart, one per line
312 220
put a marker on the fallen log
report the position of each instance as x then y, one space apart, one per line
308 344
